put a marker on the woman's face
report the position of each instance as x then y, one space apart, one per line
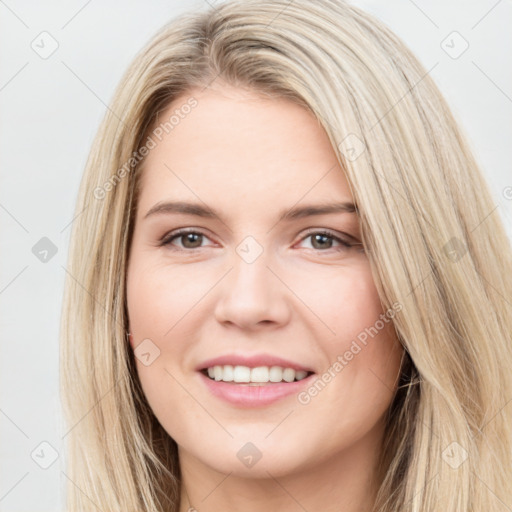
253 289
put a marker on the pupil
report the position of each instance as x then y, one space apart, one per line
324 237
189 237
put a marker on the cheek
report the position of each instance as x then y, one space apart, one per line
159 297
364 354
164 307
346 300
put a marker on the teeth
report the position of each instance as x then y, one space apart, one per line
258 375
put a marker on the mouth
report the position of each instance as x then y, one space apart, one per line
259 386
254 376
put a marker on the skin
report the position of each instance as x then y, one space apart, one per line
250 158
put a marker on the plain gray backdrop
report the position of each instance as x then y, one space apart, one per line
60 64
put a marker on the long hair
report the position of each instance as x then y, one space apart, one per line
434 241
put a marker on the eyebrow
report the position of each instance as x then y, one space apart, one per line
297 212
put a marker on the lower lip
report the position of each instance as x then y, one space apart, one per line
254 396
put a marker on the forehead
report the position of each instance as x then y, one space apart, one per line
235 146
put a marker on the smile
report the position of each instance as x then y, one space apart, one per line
259 375
248 390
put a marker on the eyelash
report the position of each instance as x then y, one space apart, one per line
168 238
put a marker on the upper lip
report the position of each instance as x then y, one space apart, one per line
252 361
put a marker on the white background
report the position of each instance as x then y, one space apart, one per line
50 111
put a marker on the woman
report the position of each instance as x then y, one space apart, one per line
287 290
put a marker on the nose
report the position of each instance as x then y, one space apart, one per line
251 296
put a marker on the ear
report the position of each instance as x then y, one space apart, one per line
130 339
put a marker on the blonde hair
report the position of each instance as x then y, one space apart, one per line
434 243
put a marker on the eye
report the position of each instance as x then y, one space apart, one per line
191 239
323 240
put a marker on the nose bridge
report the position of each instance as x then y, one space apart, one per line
251 293
250 277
